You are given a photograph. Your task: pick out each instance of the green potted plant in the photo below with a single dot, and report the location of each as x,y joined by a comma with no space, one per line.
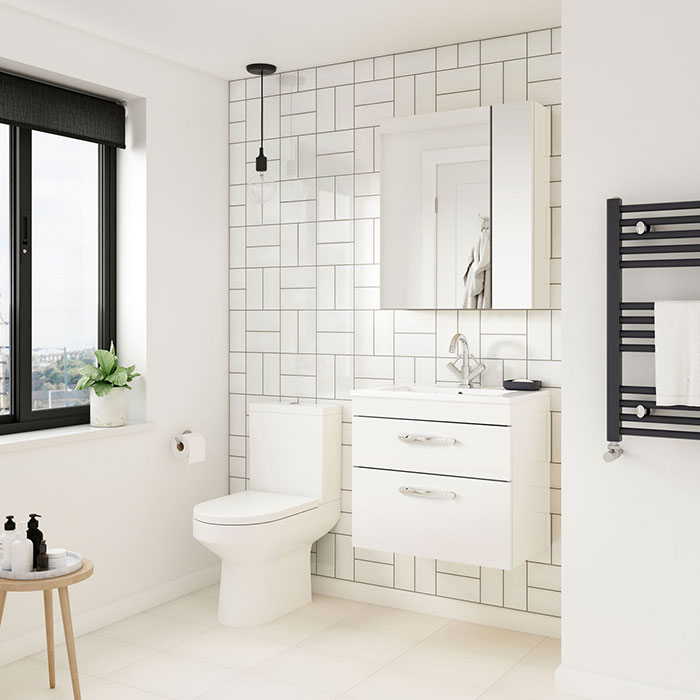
107,383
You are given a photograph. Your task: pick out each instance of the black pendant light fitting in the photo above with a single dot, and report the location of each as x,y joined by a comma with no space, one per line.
261,69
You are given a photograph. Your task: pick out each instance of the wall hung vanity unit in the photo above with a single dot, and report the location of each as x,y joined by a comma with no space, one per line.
465,214
451,473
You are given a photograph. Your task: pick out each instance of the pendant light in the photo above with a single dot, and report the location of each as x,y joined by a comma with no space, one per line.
263,187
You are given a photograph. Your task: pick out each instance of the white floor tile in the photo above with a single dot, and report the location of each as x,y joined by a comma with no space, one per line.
195,608
152,631
390,684
229,648
318,671
174,676
330,609
98,656
414,626
28,679
107,690
252,687
290,629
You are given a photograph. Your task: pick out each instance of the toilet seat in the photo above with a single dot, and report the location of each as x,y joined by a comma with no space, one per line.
252,508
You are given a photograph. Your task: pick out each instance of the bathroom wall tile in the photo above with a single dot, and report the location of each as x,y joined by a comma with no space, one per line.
425,575
539,43
459,587
556,40
492,84
544,67
447,57
544,602
304,277
414,62
504,48
337,74
491,586
376,574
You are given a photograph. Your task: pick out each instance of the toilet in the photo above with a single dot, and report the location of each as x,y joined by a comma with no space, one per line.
264,535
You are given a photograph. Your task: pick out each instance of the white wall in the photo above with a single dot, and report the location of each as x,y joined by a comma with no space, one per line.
305,316
124,501
631,562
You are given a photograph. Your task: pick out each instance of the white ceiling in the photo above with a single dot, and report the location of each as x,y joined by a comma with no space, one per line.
221,36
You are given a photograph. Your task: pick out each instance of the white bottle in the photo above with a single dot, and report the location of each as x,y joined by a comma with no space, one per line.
8,536
22,552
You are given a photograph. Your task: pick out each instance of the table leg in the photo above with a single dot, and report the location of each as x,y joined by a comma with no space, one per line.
3,596
70,641
48,615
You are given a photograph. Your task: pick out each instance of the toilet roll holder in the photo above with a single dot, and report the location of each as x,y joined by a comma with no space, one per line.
179,445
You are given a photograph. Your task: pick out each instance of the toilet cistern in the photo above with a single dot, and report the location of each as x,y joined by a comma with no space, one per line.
465,373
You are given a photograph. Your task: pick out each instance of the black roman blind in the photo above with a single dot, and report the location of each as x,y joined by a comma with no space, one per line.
35,105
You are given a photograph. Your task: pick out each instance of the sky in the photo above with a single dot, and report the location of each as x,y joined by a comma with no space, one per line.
64,240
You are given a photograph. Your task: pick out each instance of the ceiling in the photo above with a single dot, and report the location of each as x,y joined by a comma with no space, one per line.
221,36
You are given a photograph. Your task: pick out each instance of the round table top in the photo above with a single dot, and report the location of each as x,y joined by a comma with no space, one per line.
45,584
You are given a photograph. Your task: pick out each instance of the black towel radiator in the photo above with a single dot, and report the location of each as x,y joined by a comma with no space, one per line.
630,322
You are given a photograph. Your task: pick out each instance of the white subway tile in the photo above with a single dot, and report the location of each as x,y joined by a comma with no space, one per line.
344,563
344,105
335,142
515,588
404,572
539,43
344,191
447,57
236,90
325,555
375,91
384,67
304,365
337,74
469,54
544,602
259,341
325,198
425,575
405,96
491,586
307,331
237,414
364,150
298,102
458,79
364,70
326,109
364,332
298,386
334,253
296,124
289,82
458,100
336,164
263,321
292,212
367,298
503,322
335,232
492,84
425,93
539,335
515,81
295,190
374,367
546,92
298,277
544,576
335,321
383,332
458,587
373,114
415,321
306,79
422,344
556,40
236,299
271,374
334,343
307,244
414,62
458,569
366,275
325,376
343,287
544,67
504,48
237,331
376,574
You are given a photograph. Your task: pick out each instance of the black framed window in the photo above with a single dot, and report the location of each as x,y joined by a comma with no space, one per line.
57,258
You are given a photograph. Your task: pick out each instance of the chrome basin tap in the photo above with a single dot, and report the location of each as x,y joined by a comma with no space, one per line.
466,373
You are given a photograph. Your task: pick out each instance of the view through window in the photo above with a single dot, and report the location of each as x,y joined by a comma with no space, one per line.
65,267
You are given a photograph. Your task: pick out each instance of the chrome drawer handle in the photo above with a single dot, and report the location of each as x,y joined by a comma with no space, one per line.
428,439
427,493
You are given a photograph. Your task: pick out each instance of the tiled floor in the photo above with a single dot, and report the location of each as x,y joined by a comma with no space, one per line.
332,648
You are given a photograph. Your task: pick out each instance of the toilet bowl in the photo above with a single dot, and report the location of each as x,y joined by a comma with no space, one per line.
264,535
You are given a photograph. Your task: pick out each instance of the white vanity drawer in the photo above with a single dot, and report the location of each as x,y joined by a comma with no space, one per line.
456,449
463,520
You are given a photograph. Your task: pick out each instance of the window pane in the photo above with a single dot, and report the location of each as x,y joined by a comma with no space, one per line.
65,228
4,269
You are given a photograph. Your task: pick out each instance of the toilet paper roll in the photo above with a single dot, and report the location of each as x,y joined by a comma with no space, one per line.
190,446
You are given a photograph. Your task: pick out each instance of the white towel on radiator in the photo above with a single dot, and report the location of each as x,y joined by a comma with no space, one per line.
677,352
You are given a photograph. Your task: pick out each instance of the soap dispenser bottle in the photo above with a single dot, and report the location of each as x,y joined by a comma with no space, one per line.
42,561
35,535
22,552
8,536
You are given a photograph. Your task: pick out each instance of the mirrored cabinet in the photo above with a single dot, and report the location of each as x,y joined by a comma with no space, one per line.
465,210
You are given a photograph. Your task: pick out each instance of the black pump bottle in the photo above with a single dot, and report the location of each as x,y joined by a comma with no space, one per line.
10,522
34,534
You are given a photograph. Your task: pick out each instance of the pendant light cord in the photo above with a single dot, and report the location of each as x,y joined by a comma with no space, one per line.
262,102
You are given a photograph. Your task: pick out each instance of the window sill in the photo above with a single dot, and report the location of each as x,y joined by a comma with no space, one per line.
60,436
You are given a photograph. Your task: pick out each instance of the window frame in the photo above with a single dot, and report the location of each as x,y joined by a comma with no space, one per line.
22,417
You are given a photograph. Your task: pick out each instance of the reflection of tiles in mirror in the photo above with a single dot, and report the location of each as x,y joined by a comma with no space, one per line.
305,268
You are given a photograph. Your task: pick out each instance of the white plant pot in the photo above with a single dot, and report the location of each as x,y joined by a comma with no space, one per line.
108,411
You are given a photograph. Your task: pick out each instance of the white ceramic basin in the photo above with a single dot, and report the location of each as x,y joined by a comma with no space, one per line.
444,392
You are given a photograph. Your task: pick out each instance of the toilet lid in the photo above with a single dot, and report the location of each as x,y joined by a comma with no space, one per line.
251,507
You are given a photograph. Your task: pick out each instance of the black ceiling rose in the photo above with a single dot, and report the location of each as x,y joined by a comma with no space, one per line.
261,69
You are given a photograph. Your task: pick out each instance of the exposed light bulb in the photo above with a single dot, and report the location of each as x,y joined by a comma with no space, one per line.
263,188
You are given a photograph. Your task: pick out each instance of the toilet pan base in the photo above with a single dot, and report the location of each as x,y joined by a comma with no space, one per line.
254,593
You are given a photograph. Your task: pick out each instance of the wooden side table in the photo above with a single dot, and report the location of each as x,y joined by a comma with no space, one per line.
47,585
